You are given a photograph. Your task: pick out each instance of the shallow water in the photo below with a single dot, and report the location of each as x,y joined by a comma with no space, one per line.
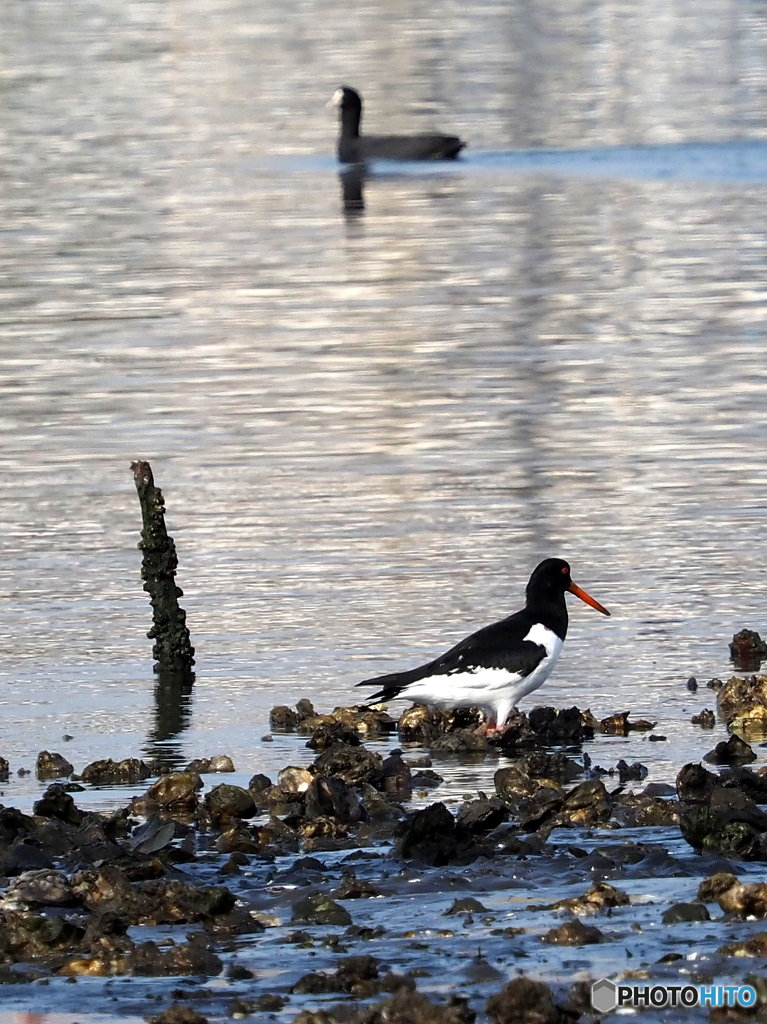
369,428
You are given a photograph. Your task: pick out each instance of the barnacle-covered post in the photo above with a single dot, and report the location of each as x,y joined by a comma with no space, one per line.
172,651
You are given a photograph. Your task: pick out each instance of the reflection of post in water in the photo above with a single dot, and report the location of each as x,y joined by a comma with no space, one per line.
172,652
172,714
352,182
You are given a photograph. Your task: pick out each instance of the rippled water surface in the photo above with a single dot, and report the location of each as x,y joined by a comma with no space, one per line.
370,426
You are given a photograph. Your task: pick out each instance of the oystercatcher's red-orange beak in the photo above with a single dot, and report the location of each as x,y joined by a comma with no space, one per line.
575,589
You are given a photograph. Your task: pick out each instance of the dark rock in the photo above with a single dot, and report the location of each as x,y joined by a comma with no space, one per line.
642,811
109,772
752,784
558,766
226,803
353,888
176,791
238,839
155,902
573,933
26,936
524,1001
318,833
706,719
330,730
695,783
23,856
218,764
755,945
177,1013
329,796
57,803
426,779
407,1006
395,779
461,741
563,725
524,794
681,912
692,684
619,725
190,958
732,751
659,789
258,785
155,834
320,909
587,803
482,815
269,1002
283,719
353,764
635,772
727,823
431,837
747,650
52,766
601,896
466,905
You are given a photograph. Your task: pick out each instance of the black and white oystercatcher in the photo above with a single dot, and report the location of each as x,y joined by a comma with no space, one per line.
354,148
500,664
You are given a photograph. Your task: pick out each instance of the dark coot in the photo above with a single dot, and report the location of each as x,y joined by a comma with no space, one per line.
355,148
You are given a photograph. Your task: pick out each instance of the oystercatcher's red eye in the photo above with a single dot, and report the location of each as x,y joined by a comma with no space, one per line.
566,570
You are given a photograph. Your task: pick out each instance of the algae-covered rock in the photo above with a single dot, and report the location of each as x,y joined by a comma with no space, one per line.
679,913
226,803
524,1001
320,909
52,766
573,933
178,790
108,772
353,764
742,702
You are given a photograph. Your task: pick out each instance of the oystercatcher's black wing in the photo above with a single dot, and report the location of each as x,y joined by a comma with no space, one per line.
500,645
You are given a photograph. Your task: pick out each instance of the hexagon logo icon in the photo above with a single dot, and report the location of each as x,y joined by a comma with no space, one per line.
603,996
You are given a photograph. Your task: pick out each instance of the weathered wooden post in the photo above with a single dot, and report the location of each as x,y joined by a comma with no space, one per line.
172,651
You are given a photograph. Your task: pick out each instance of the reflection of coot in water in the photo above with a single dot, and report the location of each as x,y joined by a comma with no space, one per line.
352,182
356,148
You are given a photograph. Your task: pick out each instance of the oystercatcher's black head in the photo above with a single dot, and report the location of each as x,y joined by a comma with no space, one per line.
549,582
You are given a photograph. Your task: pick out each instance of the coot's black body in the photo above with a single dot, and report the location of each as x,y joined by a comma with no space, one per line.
355,148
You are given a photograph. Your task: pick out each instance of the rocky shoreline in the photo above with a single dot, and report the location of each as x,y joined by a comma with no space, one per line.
414,915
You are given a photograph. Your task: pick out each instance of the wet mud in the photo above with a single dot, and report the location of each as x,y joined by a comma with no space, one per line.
358,889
